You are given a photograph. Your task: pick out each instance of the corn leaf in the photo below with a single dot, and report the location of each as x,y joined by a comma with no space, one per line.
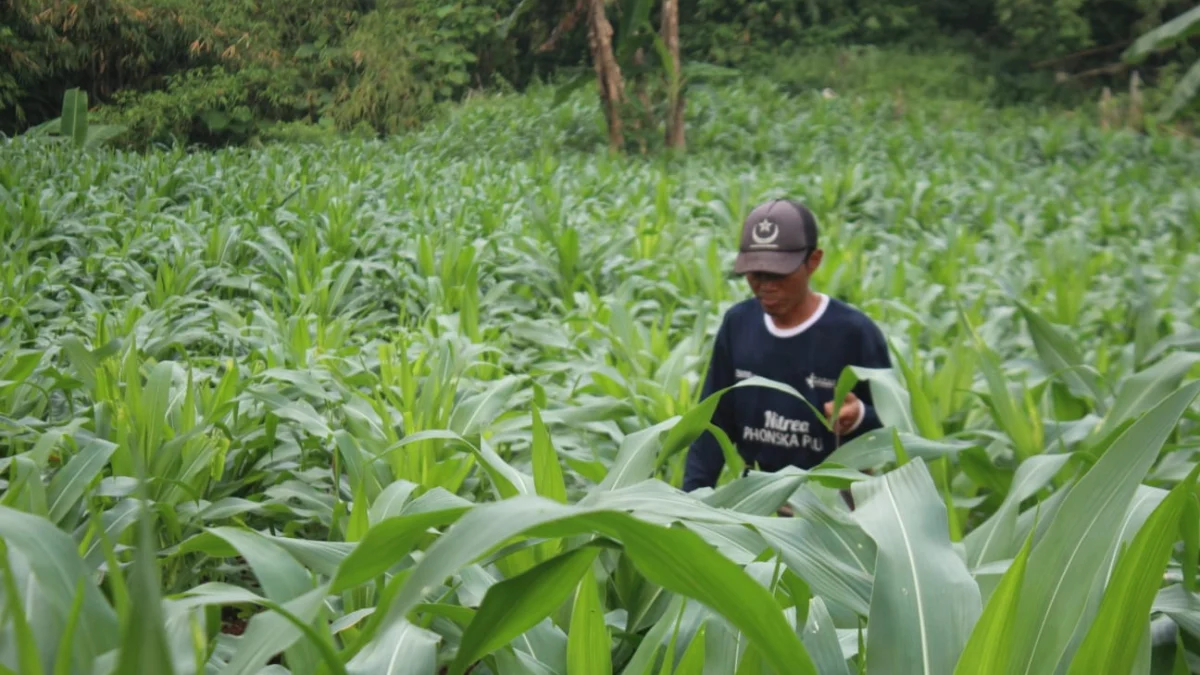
516,605
588,644
675,559
990,647
1081,532
923,601
1130,592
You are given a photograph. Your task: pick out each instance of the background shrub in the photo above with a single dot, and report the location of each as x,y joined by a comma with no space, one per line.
224,71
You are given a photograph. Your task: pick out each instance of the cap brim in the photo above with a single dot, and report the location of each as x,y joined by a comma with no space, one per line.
771,262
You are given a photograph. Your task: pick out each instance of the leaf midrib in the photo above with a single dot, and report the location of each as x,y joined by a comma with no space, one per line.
912,562
1063,571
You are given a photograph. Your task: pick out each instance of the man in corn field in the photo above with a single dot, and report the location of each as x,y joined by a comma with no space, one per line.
792,334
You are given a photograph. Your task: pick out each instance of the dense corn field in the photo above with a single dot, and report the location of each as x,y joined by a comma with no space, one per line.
421,406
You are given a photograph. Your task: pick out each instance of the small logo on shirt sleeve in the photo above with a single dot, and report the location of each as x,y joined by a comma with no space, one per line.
824,383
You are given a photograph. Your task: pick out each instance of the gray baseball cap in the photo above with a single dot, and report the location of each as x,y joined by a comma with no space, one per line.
776,238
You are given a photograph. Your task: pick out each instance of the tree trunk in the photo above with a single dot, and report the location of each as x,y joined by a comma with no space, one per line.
670,36
608,72
646,120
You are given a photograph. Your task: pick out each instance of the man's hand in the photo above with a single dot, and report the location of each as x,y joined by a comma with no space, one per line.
848,417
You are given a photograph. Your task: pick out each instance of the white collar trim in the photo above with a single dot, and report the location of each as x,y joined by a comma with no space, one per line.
796,330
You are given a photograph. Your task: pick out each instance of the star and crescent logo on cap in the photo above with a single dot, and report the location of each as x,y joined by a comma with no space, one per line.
765,233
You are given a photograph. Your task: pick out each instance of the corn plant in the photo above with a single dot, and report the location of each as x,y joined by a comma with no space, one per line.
422,405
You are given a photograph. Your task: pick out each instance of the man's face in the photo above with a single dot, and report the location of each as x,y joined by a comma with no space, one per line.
781,296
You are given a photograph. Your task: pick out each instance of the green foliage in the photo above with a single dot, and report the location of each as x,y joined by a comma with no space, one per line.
222,71
730,32
74,126
912,76
410,55
1018,50
355,400
1044,28
1186,89
230,71
211,104
107,46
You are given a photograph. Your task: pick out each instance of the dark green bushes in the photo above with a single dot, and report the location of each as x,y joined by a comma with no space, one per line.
222,71
1054,51
227,71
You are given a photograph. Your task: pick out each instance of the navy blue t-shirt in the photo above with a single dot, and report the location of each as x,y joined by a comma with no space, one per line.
771,427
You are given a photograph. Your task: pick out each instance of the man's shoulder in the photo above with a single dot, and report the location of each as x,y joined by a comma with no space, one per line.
742,309
738,313
843,315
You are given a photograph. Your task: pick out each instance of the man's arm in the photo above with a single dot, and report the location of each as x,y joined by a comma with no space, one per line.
873,354
705,458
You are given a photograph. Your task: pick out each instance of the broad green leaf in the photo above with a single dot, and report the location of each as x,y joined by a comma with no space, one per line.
56,566
1145,389
269,632
832,554
547,472
1187,341
635,460
924,418
924,600
758,493
692,662
1182,606
995,538
989,648
821,640
1191,544
1023,429
1082,532
684,430
512,662
322,557
1131,589
75,116
474,413
62,663
643,659
359,521
738,543
144,644
281,577
1163,36
26,489
399,649
588,642
507,480
876,448
356,467
69,483
890,397
306,416
27,659
688,428
386,543
516,605
389,502
1061,355
676,559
